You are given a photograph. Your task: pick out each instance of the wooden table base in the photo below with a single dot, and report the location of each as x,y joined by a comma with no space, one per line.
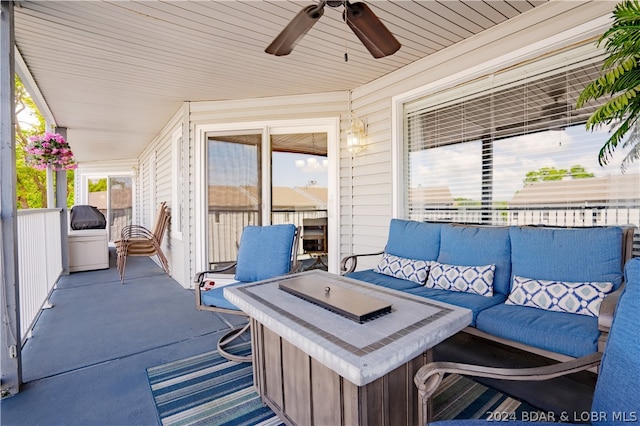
304,392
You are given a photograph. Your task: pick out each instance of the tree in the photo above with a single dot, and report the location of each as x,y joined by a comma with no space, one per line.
620,82
551,173
31,184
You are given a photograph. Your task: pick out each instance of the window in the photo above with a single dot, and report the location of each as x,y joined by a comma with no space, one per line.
511,148
178,185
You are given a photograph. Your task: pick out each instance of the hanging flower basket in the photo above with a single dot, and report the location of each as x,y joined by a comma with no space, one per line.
50,151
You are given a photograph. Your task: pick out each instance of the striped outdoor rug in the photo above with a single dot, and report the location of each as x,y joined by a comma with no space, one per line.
208,389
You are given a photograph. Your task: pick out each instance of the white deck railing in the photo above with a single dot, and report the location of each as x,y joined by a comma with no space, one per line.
39,261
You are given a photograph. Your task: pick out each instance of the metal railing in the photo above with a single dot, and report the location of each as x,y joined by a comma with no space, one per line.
225,228
39,261
570,216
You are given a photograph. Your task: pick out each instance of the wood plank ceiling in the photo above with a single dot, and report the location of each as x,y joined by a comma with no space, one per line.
113,72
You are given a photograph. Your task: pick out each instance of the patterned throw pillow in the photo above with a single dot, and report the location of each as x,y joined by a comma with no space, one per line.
468,279
560,296
406,269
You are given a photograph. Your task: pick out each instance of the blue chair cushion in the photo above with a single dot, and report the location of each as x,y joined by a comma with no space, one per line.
383,280
573,255
475,246
215,297
474,302
265,252
565,333
413,240
619,379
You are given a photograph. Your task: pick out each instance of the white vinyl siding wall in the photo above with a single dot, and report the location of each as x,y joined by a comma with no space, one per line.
155,181
371,183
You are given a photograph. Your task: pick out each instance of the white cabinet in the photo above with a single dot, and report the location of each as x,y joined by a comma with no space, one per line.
88,250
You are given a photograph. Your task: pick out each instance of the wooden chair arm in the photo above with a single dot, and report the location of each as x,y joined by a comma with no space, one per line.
349,263
429,376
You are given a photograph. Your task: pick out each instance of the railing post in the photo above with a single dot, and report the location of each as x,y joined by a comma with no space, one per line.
10,358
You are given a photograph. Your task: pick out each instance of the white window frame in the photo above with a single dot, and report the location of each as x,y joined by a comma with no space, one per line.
329,125
177,178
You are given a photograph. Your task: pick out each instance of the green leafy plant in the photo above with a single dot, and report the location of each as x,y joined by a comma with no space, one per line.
620,83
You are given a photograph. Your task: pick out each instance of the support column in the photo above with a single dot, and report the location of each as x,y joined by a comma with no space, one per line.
10,340
61,203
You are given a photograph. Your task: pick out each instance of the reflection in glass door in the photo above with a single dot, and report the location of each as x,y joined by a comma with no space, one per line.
113,197
233,192
299,185
120,205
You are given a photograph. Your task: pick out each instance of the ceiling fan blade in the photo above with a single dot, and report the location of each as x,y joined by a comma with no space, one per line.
284,43
370,30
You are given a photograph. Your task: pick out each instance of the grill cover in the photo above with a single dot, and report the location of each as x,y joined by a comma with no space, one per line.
87,217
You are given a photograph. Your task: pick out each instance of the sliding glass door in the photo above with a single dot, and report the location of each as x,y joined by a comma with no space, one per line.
266,175
233,191
299,190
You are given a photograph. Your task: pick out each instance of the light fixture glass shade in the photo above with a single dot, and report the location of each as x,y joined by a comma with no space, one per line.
355,136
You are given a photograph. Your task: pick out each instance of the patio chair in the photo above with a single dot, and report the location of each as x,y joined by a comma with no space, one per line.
615,400
136,240
264,252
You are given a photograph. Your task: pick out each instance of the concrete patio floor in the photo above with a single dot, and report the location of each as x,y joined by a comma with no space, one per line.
86,359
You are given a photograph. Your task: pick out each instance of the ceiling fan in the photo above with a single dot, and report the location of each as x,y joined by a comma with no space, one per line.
360,18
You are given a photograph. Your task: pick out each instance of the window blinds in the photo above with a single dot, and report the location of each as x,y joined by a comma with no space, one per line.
511,148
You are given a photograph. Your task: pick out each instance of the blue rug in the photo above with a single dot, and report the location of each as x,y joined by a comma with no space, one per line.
208,389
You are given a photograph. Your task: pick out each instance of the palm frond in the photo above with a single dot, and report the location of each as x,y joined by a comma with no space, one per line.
612,81
632,156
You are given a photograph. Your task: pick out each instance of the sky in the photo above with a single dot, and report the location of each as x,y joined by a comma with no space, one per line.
513,158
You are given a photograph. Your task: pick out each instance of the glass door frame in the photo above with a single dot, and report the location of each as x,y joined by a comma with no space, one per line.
330,126
82,195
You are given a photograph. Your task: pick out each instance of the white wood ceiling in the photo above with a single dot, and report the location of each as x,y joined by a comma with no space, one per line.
113,72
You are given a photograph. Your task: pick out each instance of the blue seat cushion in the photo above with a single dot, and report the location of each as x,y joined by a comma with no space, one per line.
383,280
215,297
466,300
413,240
572,255
265,252
565,333
474,302
619,378
464,245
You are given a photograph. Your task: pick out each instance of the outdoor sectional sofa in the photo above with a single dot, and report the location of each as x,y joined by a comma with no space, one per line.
499,273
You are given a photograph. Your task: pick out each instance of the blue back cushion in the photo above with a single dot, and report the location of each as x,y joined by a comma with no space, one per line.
265,252
574,255
478,246
413,240
619,379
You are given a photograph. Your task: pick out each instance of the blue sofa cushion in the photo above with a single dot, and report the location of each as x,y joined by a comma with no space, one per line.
265,252
559,296
470,301
619,378
400,267
215,297
477,245
467,279
569,334
474,302
373,277
413,240
578,254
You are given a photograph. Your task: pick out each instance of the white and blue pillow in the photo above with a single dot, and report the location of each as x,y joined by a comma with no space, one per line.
467,279
582,298
406,269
